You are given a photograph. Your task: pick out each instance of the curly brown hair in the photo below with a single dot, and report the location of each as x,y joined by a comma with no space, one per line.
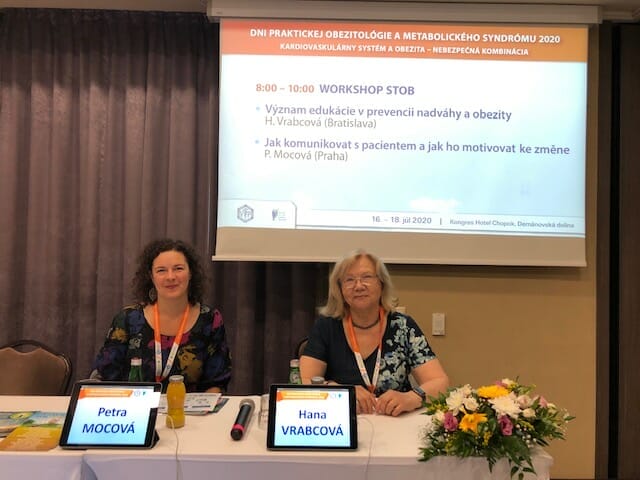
142,284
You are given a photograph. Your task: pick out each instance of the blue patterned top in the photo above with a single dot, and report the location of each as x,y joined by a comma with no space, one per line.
404,347
203,355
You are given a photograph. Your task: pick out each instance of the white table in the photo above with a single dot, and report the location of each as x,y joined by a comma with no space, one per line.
388,450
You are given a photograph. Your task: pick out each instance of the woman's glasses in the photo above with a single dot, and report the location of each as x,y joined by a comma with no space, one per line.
367,280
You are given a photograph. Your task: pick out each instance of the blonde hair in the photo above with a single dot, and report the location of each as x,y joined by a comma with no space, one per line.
336,305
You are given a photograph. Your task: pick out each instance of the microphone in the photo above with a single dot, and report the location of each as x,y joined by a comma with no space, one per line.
244,415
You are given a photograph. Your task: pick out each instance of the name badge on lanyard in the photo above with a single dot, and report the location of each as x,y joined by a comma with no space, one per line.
371,384
160,373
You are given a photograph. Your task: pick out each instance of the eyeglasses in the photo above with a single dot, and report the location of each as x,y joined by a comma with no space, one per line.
367,280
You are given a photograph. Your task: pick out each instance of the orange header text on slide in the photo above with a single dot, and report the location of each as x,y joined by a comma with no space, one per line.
301,395
105,392
341,39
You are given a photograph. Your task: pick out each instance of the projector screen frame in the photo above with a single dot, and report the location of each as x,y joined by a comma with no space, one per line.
495,13
524,251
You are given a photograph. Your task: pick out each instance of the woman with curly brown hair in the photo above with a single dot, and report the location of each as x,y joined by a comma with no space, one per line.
168,327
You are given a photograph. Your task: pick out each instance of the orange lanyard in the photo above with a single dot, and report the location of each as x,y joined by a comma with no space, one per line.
371,385
162,374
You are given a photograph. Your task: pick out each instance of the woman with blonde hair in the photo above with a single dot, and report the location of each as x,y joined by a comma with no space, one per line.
359,339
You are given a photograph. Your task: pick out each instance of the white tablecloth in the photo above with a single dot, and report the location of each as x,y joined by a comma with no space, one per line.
388,450
54,464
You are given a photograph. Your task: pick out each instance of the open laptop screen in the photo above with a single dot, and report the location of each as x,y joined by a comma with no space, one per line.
312,417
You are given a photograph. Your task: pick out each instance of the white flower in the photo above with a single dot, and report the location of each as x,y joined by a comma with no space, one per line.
528,413
455,399
525,401
466,390
470,404
438,417
506,405
507,382
430,425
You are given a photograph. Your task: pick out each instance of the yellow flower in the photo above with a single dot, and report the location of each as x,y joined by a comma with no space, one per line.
471,420
487,437
492,391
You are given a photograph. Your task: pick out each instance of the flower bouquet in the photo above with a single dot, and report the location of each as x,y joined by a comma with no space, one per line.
504,420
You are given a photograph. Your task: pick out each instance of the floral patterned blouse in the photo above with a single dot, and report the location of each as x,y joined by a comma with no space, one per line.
202,357
404,347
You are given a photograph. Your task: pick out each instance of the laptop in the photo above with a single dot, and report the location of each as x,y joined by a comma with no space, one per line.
312,417
111,415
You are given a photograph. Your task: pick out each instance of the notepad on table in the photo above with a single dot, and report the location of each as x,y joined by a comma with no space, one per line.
194,403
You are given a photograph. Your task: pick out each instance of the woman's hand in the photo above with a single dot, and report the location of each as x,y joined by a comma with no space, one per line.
365,400
394,403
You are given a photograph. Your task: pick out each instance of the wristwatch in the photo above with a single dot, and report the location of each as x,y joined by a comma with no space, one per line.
421,393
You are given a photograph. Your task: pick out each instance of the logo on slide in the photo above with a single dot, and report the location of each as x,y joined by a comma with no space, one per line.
245,213
278,215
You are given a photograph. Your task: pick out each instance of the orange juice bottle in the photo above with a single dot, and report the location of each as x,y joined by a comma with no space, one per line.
176,393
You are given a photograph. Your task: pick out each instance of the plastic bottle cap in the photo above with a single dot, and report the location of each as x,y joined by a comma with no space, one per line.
294,362
176,378
136,362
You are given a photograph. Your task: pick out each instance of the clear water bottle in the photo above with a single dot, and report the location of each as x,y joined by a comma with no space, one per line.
135,370
263,419
176,393
294,371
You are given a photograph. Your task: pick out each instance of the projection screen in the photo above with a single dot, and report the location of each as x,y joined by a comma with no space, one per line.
424,143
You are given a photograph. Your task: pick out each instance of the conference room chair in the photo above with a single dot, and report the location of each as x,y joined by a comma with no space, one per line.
30,367
300,347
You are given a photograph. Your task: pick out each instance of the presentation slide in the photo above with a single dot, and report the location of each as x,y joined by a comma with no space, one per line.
400,128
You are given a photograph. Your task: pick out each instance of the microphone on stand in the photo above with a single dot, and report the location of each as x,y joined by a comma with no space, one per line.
244,415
